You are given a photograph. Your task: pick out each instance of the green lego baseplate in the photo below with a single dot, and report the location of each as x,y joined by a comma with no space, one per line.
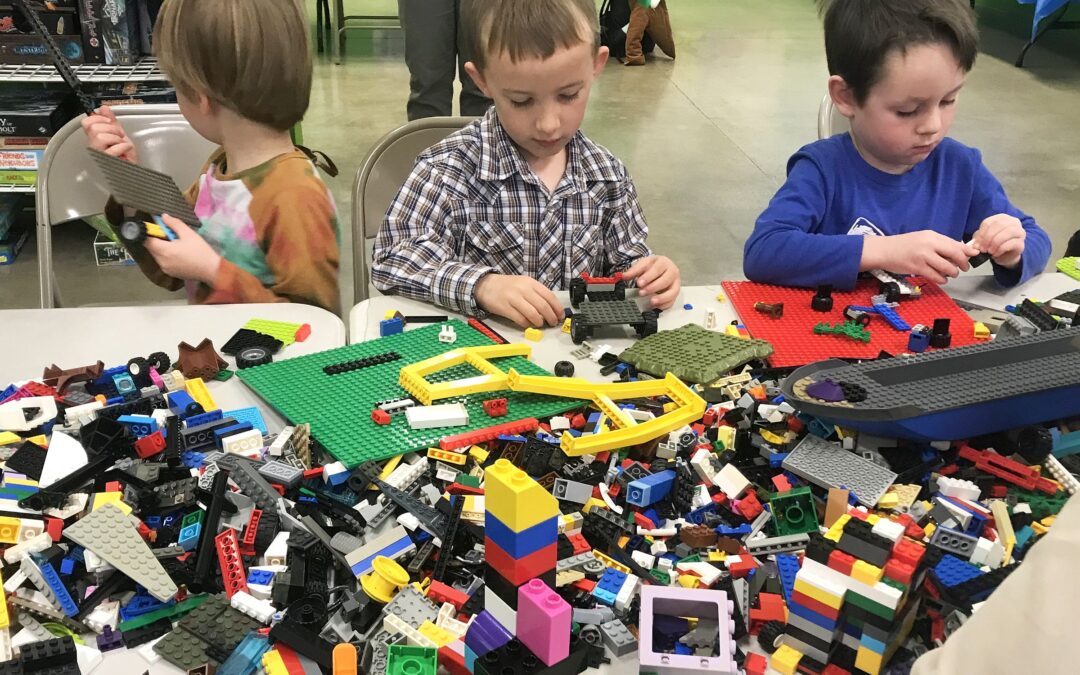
693,353
339,407
1070,266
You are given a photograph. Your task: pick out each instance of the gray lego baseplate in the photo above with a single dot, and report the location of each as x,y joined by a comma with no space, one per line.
411,606
144,189
608,312
693,353
828,465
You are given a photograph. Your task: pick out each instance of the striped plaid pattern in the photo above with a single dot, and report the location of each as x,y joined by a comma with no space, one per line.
472,207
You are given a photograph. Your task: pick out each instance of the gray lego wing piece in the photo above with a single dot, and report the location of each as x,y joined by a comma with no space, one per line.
828,465
109,533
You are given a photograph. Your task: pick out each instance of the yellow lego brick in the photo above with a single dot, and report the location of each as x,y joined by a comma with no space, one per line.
720,297
196,388
873,519
566,326
731,330
440,636
518,501
929,530
389,314
478,453
837,528
567,577
981,331
593,501
154,230
534,334
785,660
689,581
1039,528
810,590
39,441
1048,521
114,498
9,530
27,482
866,573
726,436
770,437
889,500
611,563
5,620
8,437
868,661
273,664
717,556
446,456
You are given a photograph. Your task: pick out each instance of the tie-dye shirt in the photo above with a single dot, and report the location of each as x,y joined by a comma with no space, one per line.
275,226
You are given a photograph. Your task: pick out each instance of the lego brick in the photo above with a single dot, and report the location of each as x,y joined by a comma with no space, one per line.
436,416
393,544
503,613
518,501
346,429
792,337
408,660
828,465
650,489
524,543
571,491
681,602
543,622
519,570
693,353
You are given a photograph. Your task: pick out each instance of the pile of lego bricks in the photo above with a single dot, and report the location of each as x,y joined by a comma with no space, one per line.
137,515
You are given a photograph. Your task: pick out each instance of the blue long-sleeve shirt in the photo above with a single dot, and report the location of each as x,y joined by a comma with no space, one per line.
804,237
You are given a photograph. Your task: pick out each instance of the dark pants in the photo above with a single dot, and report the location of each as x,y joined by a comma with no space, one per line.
434,52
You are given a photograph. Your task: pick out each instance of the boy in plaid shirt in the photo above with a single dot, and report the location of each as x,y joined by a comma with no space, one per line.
520,202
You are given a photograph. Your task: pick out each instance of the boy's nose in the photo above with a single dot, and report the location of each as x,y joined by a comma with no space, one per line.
931,124
547,124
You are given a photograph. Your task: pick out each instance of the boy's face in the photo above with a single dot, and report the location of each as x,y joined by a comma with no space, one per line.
908,112
541,103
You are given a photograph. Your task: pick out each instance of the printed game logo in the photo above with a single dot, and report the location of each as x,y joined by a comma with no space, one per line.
6,127
111,10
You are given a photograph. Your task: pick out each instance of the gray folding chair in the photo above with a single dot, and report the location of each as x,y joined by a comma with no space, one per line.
381,176
829,120
69,188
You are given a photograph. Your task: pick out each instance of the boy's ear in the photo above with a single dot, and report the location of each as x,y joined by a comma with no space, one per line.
207,106
842,96
477,77
600,60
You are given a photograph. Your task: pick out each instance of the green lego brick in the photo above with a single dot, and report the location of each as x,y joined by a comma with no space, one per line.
224,375
1041,505
469,480
170,612
338,407
406,660
192,518
1070,267
693,353
869,605
281,330
794,512
848,329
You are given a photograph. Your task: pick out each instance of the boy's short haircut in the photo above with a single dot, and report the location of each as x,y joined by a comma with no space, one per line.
860,35
251,56
526,29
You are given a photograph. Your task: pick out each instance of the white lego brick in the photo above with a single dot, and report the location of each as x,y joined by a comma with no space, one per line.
731,481
333,469
445,472
890,529
277,551
1022,507
710,319
406,472
665,564
408,521
87,658
260,610
627,592
659,548
260,592
243,442
503,613
700,462
64,456
960,489
447,334
395,624
105,614
709,574
26,413
701,496
1061,474
277,448
435,416
644,559
39,542
560,423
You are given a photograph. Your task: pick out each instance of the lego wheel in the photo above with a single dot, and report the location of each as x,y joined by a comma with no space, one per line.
770,636
564,369
649,324
578,332
159,361
253,356
577,292
620,290
132,231
139,369
891,291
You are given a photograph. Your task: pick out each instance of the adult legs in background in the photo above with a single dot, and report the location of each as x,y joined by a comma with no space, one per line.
660,29
431,54
656,22
472,101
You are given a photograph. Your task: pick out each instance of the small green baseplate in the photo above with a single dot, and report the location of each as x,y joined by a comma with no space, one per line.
1070,266
693,353
338,407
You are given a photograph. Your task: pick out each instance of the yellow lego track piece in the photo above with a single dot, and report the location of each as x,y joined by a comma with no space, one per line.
413,377
196,388
687,407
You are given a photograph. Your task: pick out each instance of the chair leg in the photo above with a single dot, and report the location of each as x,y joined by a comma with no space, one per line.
319,26
1048,24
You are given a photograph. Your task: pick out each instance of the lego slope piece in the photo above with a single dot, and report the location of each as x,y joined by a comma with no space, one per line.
657,601
287,333
110,534
518,501
827,465
339,406
693,354
1070,267
792,336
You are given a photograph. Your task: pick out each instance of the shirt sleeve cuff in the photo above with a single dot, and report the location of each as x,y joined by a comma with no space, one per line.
455,287
1007,278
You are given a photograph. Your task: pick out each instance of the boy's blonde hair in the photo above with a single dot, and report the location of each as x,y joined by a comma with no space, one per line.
526,29
252,56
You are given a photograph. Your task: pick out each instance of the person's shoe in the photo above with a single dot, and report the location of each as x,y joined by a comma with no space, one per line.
634,60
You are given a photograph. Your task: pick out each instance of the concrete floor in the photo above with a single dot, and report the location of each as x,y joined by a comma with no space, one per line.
706,137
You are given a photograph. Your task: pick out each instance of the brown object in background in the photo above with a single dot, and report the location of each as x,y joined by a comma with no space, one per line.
836,506
654,21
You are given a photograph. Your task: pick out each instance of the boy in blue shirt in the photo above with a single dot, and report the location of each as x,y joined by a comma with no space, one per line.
910,195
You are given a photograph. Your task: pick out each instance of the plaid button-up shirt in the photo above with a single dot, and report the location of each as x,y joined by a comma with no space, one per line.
473,207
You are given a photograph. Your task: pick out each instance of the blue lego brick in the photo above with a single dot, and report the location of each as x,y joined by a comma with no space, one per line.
509,437
138,425
470,659
1066,444
650,489
608,587
812,616
951,571
153,522
740,531
8,393
141,604
203,418
788,566
874,645
252,416
67,566
221,433
60,591
189,537
179,402
391,327
260,577
776,459
520,544
247,657
683,650
975,526
918,341
697,516
364,565
1023,535
893,319
124,384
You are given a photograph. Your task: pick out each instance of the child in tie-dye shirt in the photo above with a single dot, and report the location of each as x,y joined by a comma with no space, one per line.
242,72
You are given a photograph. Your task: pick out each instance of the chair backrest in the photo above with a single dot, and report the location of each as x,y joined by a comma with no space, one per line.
68,188
829,120
380,177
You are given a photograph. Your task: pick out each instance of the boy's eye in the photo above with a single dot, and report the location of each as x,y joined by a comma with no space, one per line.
948,101
570,97
520,104
906,113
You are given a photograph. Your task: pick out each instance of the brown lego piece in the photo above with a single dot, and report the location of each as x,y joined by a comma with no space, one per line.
698,536
61,379
836,506
729,545
202,361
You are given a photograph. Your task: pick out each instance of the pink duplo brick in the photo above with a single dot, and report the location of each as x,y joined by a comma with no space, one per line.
543,622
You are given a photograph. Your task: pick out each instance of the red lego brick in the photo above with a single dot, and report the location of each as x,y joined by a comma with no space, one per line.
439,593
1008,470
578,421
150,445
858,513
303,332
699,428
898,570
488,333
495,407
755,664
586,585
55,527
743,567
313,473
911,528
247,542
841,562
798,598
999,491
770,608
452,661
519,570
642,521
232,568
380,417
833,669
795,424
580,544
749,506
908,552
793,338
780,482
114,486
459,489
490,433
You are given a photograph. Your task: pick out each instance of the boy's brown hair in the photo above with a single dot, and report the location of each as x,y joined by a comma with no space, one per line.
526,29
860,35
252,56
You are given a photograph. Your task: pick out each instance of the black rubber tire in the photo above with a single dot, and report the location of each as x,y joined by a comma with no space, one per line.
769,636
139,369
160,362
249,357
620,290
132,231
577,292
564,369
578,332
891,291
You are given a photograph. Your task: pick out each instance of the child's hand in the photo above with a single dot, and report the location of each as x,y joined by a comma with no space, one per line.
925,253
657,276
106,134
187,257
523,300
1002,236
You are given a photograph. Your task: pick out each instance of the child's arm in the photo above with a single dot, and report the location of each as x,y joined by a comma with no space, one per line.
782,249
1019,248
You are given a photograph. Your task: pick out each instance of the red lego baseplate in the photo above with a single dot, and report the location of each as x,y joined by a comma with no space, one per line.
793,339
